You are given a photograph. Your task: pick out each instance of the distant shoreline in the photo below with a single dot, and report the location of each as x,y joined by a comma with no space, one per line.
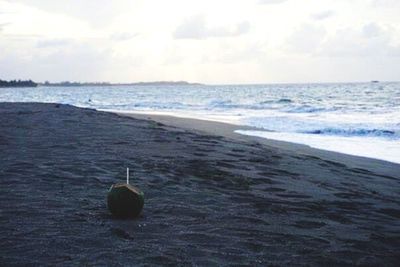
30,83
74,84
17,83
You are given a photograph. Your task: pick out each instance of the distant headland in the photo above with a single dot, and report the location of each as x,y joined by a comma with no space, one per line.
30,83
157,83
18,83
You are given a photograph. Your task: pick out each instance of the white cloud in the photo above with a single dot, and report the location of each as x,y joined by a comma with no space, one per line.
2,26
62,59
231,41
97,13
385,3
323,15
243,53
31,21
196,28
191,28
370,41
372,30
271,2
123,36
306,39
44,43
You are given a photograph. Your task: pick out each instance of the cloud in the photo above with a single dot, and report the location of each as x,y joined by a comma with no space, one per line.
30,21
271,2
323,15
192,28
75,62
385,3
98,13
3,25
242,28
123,36
306,39
370,41
47,43
196,28
249,52
372,30
55,60
128,40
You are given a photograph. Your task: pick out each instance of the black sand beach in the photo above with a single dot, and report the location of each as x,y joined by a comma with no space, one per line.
211,199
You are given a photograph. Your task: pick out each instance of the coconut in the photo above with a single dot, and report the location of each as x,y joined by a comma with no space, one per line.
125,200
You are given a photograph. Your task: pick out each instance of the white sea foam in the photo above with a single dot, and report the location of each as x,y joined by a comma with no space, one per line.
337,117
358,146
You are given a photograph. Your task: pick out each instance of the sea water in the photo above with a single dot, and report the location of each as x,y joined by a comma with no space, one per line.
354,118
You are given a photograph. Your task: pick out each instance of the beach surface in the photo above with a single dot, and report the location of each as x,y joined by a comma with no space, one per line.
212,197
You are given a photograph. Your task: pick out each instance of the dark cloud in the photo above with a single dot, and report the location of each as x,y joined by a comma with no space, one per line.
196,28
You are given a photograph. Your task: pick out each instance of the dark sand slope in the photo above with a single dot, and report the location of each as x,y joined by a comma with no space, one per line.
209,200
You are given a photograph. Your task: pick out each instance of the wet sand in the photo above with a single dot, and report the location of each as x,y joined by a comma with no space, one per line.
211,197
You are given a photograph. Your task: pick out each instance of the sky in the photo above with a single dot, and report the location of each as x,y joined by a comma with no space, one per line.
207,41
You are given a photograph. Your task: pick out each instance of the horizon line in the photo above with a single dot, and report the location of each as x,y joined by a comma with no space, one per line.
240,83
184,82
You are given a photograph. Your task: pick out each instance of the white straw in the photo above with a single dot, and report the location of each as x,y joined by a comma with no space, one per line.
127,175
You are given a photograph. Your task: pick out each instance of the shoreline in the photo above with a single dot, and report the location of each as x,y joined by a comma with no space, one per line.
227,130
210,198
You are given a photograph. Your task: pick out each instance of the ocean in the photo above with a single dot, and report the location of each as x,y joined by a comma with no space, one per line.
361,119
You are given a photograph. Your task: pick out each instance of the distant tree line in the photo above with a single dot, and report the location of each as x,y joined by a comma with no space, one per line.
30,83
75,84
67,83
18,83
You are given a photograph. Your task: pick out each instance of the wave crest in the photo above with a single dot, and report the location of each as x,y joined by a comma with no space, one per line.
354,132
